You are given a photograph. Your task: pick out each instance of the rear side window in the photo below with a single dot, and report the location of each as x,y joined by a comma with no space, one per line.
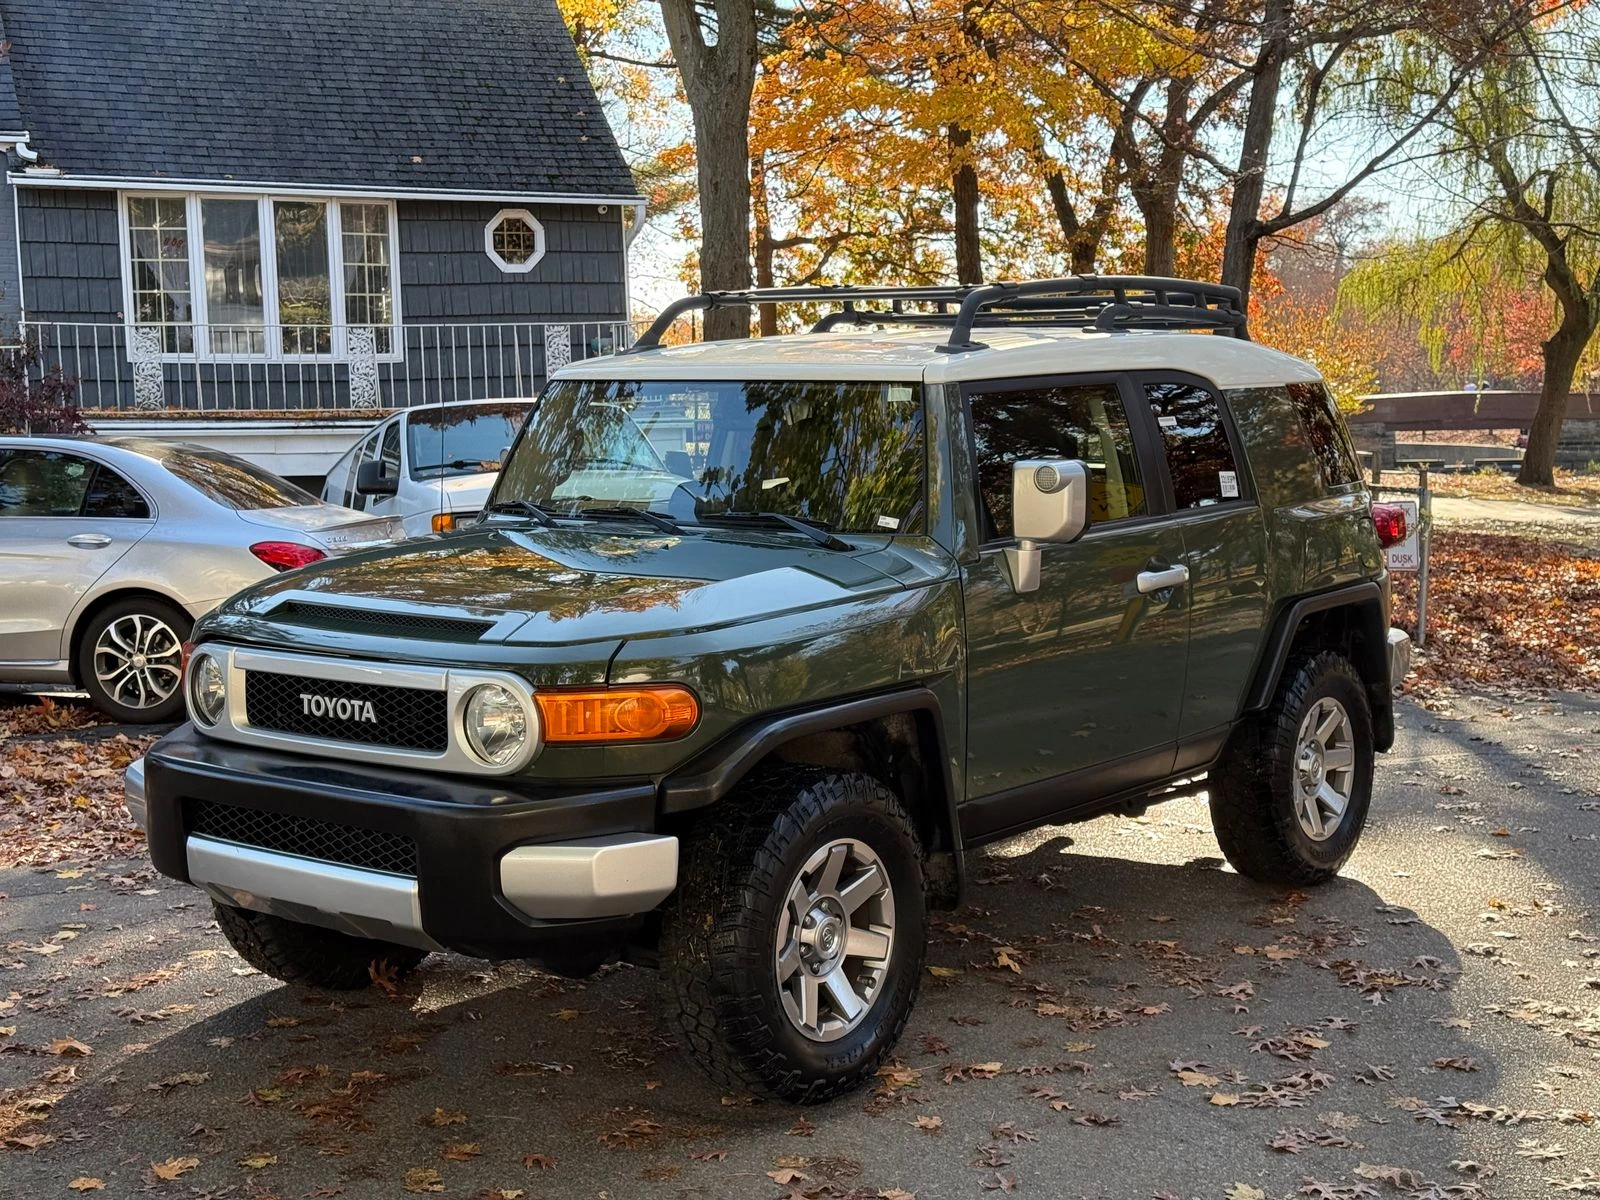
110,495
1083,421
1201,461
1330,442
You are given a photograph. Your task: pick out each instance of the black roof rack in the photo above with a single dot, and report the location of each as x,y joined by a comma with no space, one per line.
1103,302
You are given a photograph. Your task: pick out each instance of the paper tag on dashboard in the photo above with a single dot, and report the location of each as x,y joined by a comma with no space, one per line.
1167,422
888,522
1229,483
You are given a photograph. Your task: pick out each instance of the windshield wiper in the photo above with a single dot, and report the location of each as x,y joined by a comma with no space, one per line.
622,513
455,464
526,508
811,529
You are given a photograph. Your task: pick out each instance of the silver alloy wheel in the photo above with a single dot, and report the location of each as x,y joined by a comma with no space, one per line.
834,939
138,660
1324,769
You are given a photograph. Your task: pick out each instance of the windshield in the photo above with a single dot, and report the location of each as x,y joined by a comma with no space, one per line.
464,439
846,456
232,481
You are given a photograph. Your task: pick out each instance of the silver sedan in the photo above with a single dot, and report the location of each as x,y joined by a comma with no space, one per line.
110,548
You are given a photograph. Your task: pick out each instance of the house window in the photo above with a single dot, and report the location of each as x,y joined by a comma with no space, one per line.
514,240
262,277
158,248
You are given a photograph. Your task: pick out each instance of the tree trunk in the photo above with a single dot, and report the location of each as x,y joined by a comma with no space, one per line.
718,79
1083,241
1244,214
964,184
766,314
1562,351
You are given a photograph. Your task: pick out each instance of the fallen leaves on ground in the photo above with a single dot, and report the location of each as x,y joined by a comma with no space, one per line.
1506,611
62,796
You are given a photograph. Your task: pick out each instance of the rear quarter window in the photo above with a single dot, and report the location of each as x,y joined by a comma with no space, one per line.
1325,431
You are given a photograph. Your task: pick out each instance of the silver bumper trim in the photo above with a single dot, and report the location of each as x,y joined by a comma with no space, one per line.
367,904
133,793
1399,655
611,876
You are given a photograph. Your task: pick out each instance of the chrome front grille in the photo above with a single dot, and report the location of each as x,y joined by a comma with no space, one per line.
367,714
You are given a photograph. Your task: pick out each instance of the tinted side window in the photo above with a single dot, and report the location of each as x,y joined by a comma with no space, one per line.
1082,421
110,495
42,483
1196,441
1330,442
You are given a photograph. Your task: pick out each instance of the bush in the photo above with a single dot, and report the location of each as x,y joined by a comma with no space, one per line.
33,399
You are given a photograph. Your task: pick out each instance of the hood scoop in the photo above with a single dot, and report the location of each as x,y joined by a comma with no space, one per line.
380,622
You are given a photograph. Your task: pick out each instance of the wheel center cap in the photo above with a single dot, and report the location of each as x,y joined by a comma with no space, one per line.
830,937
137,662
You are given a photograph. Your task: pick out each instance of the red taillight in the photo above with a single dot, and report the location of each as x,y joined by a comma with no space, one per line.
285,556
1390,522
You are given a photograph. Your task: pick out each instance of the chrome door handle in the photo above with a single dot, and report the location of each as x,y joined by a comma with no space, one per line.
89,541
1159,581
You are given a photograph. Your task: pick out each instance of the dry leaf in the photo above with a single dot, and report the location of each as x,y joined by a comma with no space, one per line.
1197,1079
258,1160
1243,1191
787,1175
1224,1099
440,1117
87,1183
423,1179
541,1162
930,1124
173,1168
70,1048
461,1151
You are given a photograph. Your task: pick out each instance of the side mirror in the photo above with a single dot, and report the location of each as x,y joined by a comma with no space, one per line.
371,480
678,463
1049,503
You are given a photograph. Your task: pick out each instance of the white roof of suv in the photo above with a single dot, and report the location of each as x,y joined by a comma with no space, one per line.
915,354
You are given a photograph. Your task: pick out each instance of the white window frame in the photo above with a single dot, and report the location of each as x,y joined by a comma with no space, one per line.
273,329
511,268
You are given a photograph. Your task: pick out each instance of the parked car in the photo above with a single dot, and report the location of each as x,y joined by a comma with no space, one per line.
1041,555
110,547
431,466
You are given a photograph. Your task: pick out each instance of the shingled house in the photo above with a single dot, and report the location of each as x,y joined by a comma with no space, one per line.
303,205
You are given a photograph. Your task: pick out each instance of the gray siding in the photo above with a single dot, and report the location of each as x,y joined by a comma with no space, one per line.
472,330
10,283
447,278
70,267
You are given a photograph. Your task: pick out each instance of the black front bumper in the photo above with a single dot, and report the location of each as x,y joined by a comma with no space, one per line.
461,827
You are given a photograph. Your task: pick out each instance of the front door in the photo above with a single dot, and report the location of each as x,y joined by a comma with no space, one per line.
64,521
1075,690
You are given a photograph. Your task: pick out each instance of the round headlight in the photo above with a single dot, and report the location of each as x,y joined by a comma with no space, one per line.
208,690
496,724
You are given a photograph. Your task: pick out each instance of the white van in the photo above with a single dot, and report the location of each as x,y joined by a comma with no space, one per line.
432,465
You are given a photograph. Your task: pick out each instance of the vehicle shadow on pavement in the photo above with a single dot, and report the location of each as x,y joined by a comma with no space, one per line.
1088,1023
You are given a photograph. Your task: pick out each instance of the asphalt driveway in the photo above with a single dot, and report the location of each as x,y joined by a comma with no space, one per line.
1112,1015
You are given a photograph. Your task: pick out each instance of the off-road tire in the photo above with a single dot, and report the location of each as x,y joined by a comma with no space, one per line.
1252,788
718,938
310,956
170,709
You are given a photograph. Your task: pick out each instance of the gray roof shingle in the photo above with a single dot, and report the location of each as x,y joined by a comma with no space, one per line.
482,96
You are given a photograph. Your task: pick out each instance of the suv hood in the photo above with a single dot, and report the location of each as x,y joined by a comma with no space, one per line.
579,585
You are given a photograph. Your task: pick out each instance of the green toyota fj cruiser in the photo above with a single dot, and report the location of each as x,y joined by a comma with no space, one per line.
755,641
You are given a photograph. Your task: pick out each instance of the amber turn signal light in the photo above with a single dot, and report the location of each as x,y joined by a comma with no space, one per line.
444,522
627,714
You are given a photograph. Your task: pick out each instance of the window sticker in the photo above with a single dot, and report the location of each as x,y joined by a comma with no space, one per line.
1228,482
888,522
1168,423
74,470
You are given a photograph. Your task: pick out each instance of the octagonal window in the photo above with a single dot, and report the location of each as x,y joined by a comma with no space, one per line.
514,240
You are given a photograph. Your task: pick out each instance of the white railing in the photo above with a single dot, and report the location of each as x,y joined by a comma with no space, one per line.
218,369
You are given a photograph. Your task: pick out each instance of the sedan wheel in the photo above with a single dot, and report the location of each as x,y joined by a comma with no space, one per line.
130,660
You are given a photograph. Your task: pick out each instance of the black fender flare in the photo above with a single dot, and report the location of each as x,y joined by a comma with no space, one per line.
715,771
1366,600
